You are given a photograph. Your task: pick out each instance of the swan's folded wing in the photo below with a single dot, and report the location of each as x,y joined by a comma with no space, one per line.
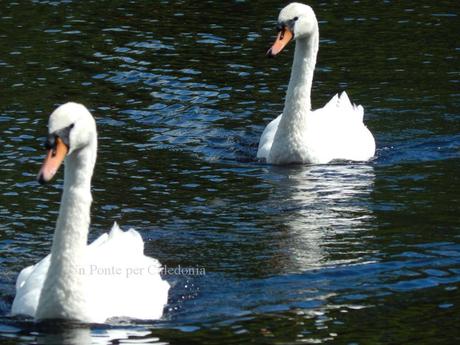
28,288
266,140
23,275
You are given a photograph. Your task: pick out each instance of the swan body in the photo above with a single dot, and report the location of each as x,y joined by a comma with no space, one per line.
109,278
300,135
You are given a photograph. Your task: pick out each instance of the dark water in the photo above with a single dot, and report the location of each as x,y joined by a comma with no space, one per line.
345,253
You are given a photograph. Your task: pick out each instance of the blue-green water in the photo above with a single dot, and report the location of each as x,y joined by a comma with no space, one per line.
344,253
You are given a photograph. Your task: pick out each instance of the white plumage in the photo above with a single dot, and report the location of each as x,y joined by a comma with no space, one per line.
109,278
300,135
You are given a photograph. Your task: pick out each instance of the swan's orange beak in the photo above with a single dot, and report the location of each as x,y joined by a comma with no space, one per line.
53,161
283,38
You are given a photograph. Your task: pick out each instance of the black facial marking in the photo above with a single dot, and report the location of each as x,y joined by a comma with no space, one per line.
287,24
50,142
64,134
290,23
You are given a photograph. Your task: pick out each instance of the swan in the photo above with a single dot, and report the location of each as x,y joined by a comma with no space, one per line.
300,135
109,278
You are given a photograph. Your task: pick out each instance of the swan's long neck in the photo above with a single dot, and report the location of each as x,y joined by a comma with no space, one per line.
71,235
298,97
62,293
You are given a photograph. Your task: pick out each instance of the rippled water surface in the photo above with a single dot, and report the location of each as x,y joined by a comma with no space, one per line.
346,253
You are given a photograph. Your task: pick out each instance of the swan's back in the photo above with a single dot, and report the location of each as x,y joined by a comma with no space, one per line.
120,280
333,132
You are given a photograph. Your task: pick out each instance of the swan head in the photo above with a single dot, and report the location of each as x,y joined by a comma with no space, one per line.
71,127
295,21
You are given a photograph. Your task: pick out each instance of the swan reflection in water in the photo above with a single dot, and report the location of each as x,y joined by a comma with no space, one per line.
69,333
321,210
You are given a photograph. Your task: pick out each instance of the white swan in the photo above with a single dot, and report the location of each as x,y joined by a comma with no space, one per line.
300,135
111,277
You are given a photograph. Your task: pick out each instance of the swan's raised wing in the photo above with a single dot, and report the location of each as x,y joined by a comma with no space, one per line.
344,135
341,107
122,281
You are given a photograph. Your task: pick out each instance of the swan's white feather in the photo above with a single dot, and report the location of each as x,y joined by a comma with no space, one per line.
335,131
121,280
266,140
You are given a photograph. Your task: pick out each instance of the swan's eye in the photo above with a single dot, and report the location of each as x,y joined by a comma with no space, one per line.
296,18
